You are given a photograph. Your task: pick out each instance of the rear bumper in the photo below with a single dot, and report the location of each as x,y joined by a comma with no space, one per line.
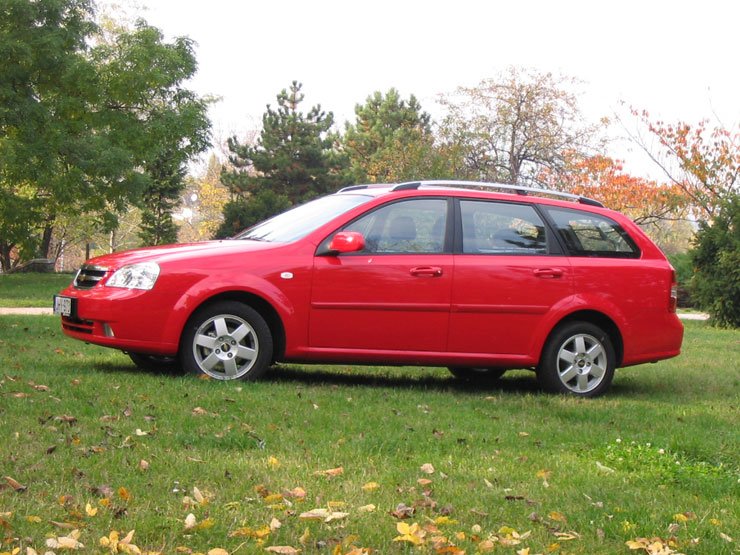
661,340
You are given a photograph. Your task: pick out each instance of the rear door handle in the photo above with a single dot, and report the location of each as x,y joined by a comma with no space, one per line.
426,271
549,273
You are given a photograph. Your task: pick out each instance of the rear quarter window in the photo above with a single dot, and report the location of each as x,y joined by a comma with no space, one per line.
588,234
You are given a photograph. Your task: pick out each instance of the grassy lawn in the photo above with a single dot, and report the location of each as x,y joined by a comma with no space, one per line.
31,290
336,459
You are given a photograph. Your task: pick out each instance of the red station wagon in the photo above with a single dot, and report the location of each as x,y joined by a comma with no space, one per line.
477,277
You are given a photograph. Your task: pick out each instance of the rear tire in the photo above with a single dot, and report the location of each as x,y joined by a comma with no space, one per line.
578,359
468,374
226,340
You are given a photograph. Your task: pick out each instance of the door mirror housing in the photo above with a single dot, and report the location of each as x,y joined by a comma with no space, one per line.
346,241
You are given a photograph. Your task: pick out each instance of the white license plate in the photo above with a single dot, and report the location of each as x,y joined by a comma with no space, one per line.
62,306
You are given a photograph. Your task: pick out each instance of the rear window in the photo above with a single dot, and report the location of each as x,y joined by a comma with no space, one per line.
501,228
586,234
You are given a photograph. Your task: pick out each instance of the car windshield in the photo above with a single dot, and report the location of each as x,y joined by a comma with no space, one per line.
302,220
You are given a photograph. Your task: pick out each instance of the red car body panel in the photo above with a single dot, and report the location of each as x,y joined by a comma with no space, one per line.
436,309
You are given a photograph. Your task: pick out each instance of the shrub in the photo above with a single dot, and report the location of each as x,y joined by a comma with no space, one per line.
716,259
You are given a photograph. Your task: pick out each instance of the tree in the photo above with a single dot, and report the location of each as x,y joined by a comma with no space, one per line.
176,123
604,179
716,259
511,128
704,163
80,118
208,197
295,159
391,140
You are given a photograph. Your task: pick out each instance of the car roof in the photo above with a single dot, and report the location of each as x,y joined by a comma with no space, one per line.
491,190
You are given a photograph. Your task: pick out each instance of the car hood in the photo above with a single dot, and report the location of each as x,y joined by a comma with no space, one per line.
169,253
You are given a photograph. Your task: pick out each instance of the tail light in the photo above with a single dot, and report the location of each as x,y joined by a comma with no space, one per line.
673,300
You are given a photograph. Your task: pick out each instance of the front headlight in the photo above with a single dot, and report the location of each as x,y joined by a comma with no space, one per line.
135,276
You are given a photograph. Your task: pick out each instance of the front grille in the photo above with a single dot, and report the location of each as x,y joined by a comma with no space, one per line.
88,276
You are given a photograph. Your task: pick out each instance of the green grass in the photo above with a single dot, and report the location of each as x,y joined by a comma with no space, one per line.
31,290
656,457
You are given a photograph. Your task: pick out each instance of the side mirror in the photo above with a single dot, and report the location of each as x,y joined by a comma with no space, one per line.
346,241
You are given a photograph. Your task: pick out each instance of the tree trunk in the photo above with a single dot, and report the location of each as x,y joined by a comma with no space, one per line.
45,245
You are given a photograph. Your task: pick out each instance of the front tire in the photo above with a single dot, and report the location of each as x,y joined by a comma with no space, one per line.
578,359
227,341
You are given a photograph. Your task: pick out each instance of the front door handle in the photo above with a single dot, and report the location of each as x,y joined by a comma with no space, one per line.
426,271
548,273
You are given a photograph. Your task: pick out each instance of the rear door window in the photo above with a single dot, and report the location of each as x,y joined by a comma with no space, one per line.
501,228
587,234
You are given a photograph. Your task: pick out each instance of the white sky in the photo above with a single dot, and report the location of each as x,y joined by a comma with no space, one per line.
677,59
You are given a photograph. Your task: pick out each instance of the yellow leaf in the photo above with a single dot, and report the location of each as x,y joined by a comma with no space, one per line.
370,486
33,519
205,524
305,537
199,496
124,494
90,510
524,551
217,551
283,550
366,508
680,517
273,462
555,515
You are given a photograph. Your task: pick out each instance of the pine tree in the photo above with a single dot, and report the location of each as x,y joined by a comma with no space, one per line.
294,160
391,140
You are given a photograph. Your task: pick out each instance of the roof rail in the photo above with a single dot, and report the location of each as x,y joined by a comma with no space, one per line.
518,189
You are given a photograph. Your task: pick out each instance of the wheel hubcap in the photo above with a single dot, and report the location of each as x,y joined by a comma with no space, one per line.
582,363
225,347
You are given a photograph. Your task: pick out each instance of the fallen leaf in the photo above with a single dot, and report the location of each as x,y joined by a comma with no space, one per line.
427,468
143,465
217,551
371,486
190,521
275,524
559,517
315,514
332,472
604,469
410,533
90,510
273,462
124,494
366,508
283,550
66,542
199,411
17,486
199,496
